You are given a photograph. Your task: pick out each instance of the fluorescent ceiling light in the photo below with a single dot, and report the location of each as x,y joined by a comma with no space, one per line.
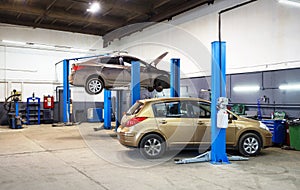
13,42
291,2
246,88
94,7
289,87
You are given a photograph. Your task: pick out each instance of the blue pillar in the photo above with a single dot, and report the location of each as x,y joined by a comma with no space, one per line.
175,78
17,118
118,109
135,86
17,108
66,92
107,109
218,89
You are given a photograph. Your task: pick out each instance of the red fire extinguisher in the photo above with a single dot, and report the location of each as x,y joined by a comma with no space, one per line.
48,102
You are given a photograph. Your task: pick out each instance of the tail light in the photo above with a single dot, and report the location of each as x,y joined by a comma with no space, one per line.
77,67
134,121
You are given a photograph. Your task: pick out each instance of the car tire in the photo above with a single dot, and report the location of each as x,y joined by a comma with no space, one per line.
159,88
160,83
94,86
250,144
150,89
152,146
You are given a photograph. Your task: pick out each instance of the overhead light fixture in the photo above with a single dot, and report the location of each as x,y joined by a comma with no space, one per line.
45,46
246,88
290,2
289,87
94,7
13,42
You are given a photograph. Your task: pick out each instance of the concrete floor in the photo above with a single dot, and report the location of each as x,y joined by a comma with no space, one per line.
77,157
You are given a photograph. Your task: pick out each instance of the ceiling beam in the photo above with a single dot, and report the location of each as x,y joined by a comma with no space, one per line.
60,15
161,3
96,31
179,9
128,6
42,16
130,29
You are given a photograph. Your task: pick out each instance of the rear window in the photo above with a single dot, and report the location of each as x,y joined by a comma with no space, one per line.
135,108
108,60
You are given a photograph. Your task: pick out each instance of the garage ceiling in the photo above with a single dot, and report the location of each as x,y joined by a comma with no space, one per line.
72,15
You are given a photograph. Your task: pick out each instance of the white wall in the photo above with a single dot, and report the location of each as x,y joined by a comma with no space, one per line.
263,35
29,69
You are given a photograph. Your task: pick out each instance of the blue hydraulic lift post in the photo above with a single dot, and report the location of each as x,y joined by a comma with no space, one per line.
66,91
17,114
17,108
217,155
135,86
175,78
118,111
218,89
66,85
107,109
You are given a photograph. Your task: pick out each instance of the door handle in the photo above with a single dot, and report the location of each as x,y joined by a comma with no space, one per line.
162,121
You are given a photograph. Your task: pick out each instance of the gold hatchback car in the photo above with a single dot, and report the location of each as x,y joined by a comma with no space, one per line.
156,125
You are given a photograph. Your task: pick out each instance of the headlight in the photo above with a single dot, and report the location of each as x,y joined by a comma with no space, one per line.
263,126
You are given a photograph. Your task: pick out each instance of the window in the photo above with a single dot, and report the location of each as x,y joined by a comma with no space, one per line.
127,61
109,60
127,64
160,110
200,110
135,108
171,109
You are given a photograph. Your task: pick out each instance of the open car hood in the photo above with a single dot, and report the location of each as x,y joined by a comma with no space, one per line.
158,59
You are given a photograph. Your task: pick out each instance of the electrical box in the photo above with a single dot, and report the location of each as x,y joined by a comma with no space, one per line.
222,119
222,115
48,102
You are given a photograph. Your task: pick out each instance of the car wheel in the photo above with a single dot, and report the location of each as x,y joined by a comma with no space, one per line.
94,86
249,144
160,83
159,88
150,89
152,146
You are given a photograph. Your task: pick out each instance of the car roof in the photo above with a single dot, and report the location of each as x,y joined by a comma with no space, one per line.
110,56
164,99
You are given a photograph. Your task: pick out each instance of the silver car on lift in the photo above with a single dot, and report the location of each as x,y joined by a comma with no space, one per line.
114,70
